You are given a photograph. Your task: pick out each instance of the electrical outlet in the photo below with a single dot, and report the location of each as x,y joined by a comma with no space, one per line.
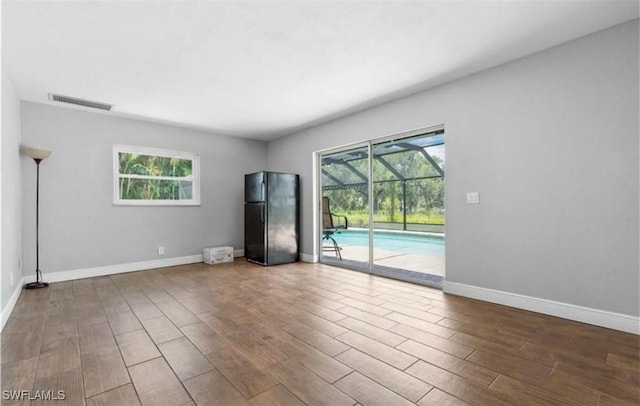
473,198
160,250
11,279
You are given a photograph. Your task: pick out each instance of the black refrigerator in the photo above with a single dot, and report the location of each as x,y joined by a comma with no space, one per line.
271,217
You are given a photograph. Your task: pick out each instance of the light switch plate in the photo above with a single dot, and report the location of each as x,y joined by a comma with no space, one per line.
473,198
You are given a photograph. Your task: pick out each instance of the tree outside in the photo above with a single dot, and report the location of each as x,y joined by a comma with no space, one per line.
149,177
422,185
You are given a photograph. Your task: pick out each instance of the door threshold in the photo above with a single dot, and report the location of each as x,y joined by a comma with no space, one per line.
419,278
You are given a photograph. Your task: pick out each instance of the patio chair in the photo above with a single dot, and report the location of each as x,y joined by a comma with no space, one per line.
330,226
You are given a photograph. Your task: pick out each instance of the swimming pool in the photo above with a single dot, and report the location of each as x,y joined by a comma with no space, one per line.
405,242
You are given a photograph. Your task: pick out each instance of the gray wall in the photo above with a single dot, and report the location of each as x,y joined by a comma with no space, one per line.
11,191
551,143
80,228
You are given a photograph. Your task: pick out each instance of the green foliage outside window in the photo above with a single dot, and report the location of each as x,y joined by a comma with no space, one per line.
424,188
148,177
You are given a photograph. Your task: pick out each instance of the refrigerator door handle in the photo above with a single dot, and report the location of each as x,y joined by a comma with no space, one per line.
262,214
263,191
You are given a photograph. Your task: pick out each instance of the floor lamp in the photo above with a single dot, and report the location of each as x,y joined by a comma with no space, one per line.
38,155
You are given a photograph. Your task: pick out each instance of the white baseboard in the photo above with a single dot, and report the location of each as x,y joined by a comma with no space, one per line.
238,253
6,312
602,318
308,258
115,269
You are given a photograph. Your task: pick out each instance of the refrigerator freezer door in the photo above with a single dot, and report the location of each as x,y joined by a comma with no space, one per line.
282,212
255,187
254,232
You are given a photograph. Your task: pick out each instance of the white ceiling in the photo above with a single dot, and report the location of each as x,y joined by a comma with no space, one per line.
261,69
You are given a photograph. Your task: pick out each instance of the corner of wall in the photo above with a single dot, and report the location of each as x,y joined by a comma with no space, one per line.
11,197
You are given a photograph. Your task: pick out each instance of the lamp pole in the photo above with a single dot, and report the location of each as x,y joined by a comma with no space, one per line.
37,155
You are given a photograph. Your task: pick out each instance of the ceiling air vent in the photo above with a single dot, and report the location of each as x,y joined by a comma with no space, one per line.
80,102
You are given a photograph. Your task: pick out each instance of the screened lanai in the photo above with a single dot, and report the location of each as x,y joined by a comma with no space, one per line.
407,204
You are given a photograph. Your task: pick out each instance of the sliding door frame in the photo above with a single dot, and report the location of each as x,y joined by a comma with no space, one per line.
317,191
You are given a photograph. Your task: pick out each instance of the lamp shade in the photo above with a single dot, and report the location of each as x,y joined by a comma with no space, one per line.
37,153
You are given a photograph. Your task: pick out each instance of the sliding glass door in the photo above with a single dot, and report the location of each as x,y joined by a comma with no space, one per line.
383,206
408,207
345,207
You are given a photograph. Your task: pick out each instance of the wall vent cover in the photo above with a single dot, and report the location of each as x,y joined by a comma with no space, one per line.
80,102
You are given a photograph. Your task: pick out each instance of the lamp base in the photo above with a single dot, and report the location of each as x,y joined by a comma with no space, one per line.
36,285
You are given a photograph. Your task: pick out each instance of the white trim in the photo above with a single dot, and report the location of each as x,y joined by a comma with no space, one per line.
371,204
184,178
115,269
603,318
6,312
316,204
194,178
167,153
308,258
121,268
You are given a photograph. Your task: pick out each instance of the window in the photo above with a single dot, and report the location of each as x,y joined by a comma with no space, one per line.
155,177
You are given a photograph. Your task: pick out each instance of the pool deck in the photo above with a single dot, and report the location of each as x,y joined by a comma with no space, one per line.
428,264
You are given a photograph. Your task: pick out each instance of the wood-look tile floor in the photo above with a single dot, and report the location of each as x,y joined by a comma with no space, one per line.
241,334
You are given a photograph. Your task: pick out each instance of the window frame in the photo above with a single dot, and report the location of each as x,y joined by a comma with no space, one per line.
135,149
